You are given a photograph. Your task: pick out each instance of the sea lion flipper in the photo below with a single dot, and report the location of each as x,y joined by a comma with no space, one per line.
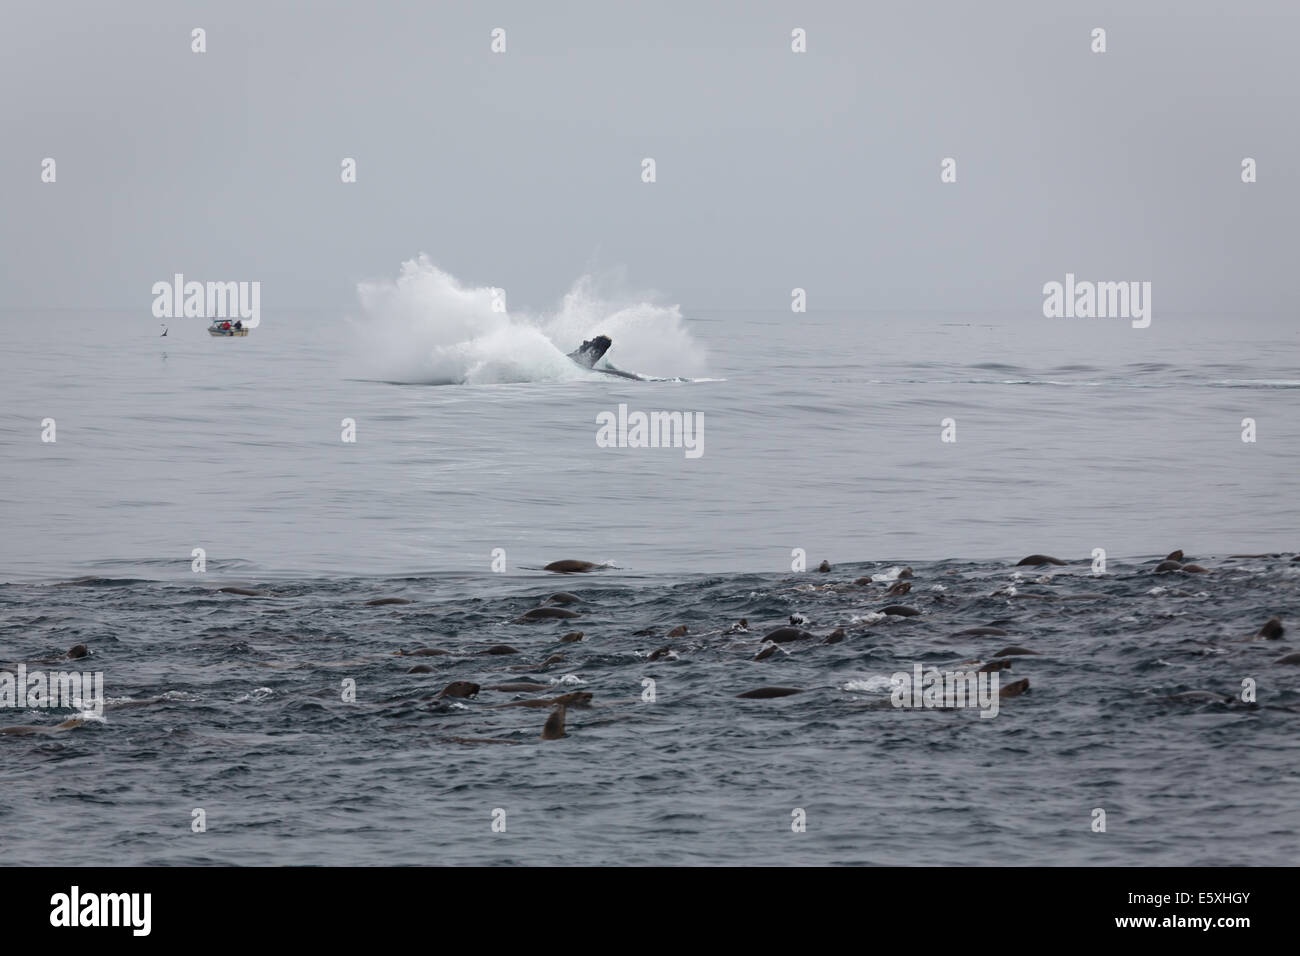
554,728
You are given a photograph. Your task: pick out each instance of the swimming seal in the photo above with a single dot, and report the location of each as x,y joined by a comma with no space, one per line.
1015,688
835,636
1288,659
1166,566
661,652
421,669
899,589
992,666
980,632
570,567
519,687
900,610
1175,556
767,651
562,597
381,602
554,728
764,693
739,627
678,631
575,698
75,652
783,634
824,567
1036,559
501,649
571,637
460,688
1271,629
545,614
247,592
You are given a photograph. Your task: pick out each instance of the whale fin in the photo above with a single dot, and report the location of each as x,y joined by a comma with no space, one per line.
590,351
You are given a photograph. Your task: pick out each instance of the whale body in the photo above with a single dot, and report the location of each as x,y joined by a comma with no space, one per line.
592,351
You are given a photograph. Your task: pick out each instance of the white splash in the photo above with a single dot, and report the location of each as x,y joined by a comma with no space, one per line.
427,327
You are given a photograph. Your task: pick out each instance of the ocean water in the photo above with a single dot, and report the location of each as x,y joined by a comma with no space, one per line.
822,435
821,432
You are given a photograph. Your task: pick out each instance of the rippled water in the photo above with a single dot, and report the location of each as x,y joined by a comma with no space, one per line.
234,704
821,434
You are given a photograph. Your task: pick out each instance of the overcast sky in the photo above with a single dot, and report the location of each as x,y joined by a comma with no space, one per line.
774,169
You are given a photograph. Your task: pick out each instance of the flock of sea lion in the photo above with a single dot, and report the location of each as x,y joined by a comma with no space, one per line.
558,607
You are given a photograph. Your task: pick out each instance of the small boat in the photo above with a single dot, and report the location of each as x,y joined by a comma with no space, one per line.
225,328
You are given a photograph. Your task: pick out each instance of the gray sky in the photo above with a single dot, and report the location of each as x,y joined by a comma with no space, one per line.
775,169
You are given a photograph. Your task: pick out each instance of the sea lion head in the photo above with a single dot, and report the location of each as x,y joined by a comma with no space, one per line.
1272,629
570,566
577,698
1015,688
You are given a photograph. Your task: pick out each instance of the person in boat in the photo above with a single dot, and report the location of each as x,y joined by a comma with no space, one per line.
238,325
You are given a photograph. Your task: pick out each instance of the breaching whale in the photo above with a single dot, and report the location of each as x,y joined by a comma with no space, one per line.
592,351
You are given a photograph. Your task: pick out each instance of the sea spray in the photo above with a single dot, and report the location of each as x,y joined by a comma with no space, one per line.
427,327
